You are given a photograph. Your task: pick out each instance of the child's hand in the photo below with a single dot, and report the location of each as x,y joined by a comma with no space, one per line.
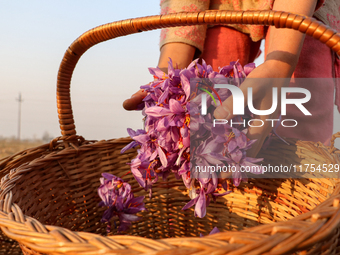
181,55
262,86
283,47
137,98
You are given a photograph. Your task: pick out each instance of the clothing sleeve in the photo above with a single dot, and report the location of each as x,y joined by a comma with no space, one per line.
192,35
319,4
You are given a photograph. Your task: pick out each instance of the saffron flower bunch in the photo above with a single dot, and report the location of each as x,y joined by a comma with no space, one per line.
117,196
176,138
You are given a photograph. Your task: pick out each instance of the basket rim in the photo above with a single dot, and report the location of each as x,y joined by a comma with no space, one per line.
311,227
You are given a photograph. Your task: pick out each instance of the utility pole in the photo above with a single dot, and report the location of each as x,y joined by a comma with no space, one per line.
19,115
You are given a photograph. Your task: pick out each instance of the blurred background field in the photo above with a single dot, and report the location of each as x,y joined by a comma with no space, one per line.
10,146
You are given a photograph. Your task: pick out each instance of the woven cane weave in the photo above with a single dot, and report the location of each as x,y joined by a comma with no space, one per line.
49,203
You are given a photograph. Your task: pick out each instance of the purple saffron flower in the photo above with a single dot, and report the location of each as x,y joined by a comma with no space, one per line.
128,209
132,134
117,196
177,138
200,203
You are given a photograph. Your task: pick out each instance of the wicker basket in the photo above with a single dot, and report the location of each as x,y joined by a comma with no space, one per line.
48,199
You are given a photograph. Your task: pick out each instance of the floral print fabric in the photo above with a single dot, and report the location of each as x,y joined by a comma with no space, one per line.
328,12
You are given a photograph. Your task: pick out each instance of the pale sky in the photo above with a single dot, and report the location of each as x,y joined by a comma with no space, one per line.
34,36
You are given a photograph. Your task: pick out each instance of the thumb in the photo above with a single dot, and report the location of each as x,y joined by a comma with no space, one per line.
227,108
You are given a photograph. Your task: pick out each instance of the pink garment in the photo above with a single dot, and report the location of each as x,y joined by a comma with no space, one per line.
224,44
195,35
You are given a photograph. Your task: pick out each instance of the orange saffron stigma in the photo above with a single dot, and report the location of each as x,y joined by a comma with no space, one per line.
135,204
180,143
148,173
186,156
187,119
231,135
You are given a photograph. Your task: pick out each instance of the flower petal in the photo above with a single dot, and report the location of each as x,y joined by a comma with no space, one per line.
190,203
175,106
214,231
157,111
108,176
162,157
157,72
131,145
142,138
201,205
248,68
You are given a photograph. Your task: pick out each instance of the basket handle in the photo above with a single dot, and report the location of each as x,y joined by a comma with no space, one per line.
332,147
279,19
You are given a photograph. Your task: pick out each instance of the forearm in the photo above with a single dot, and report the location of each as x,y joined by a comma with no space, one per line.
284,45
284,48
181,54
